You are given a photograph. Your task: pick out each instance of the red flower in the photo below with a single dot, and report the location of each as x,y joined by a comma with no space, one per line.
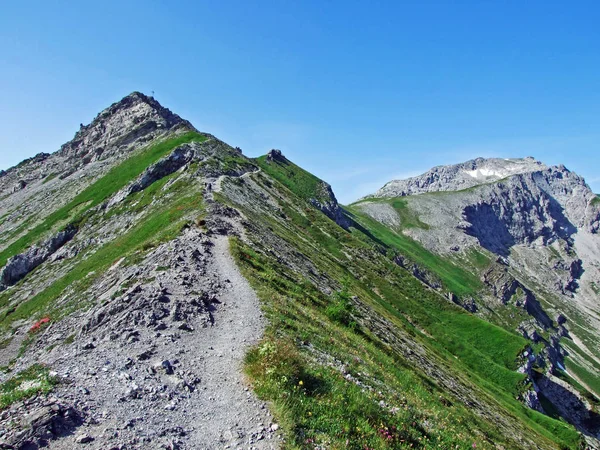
36,326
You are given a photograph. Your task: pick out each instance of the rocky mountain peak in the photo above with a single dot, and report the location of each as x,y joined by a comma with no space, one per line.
134,119
461,176
275,155
124,126
525,176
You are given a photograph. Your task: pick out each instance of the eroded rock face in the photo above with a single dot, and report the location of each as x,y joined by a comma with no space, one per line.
36,423
419,272
275,155
570,404
166,166
592,216
169,164
329,205
517,211
19,266
508,289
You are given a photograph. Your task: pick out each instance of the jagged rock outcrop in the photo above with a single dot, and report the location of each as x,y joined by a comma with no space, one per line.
20,265
275,155
419,272
171,163
166,166
329,205
570,404
592,215
36,423
507,288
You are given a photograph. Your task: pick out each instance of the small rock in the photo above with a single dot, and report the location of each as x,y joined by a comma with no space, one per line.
170,406
144,355
84,439
166,365
185,327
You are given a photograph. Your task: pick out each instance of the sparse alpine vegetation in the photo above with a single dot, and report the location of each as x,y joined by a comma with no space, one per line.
34,380
395,322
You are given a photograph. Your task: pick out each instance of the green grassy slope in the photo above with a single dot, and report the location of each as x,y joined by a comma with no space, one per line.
35,379
298,180
314,400
160,224
159,211
456,279
117,178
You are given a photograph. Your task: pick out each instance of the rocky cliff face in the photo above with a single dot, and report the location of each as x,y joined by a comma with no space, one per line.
20,265
520,211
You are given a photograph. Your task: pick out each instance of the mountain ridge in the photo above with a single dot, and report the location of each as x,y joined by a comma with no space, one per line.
378,333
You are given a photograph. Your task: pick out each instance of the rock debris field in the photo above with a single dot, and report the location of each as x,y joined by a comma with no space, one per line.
156,366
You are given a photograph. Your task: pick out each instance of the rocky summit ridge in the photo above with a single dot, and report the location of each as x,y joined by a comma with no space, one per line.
460,176
160,289
552,187
117,130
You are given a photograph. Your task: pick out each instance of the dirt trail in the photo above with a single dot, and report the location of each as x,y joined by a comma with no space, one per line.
232,413
157,361
189,391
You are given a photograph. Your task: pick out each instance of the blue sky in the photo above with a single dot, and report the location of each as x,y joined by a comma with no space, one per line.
356,92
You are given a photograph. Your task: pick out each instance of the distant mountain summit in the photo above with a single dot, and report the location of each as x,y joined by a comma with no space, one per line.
460,176
553,195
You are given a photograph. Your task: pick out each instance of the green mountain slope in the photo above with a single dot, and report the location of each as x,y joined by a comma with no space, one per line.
341,314
369,343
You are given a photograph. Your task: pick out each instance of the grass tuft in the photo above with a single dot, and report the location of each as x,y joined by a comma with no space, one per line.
28,383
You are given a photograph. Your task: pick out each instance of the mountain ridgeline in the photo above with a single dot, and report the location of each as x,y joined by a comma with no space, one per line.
159,289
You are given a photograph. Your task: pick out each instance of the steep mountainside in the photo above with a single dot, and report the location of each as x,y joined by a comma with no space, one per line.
531,237
145,265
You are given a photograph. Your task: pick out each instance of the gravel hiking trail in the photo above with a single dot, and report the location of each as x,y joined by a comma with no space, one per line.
232,417
125,398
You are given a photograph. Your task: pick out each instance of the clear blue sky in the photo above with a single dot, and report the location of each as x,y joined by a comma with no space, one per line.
356,92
